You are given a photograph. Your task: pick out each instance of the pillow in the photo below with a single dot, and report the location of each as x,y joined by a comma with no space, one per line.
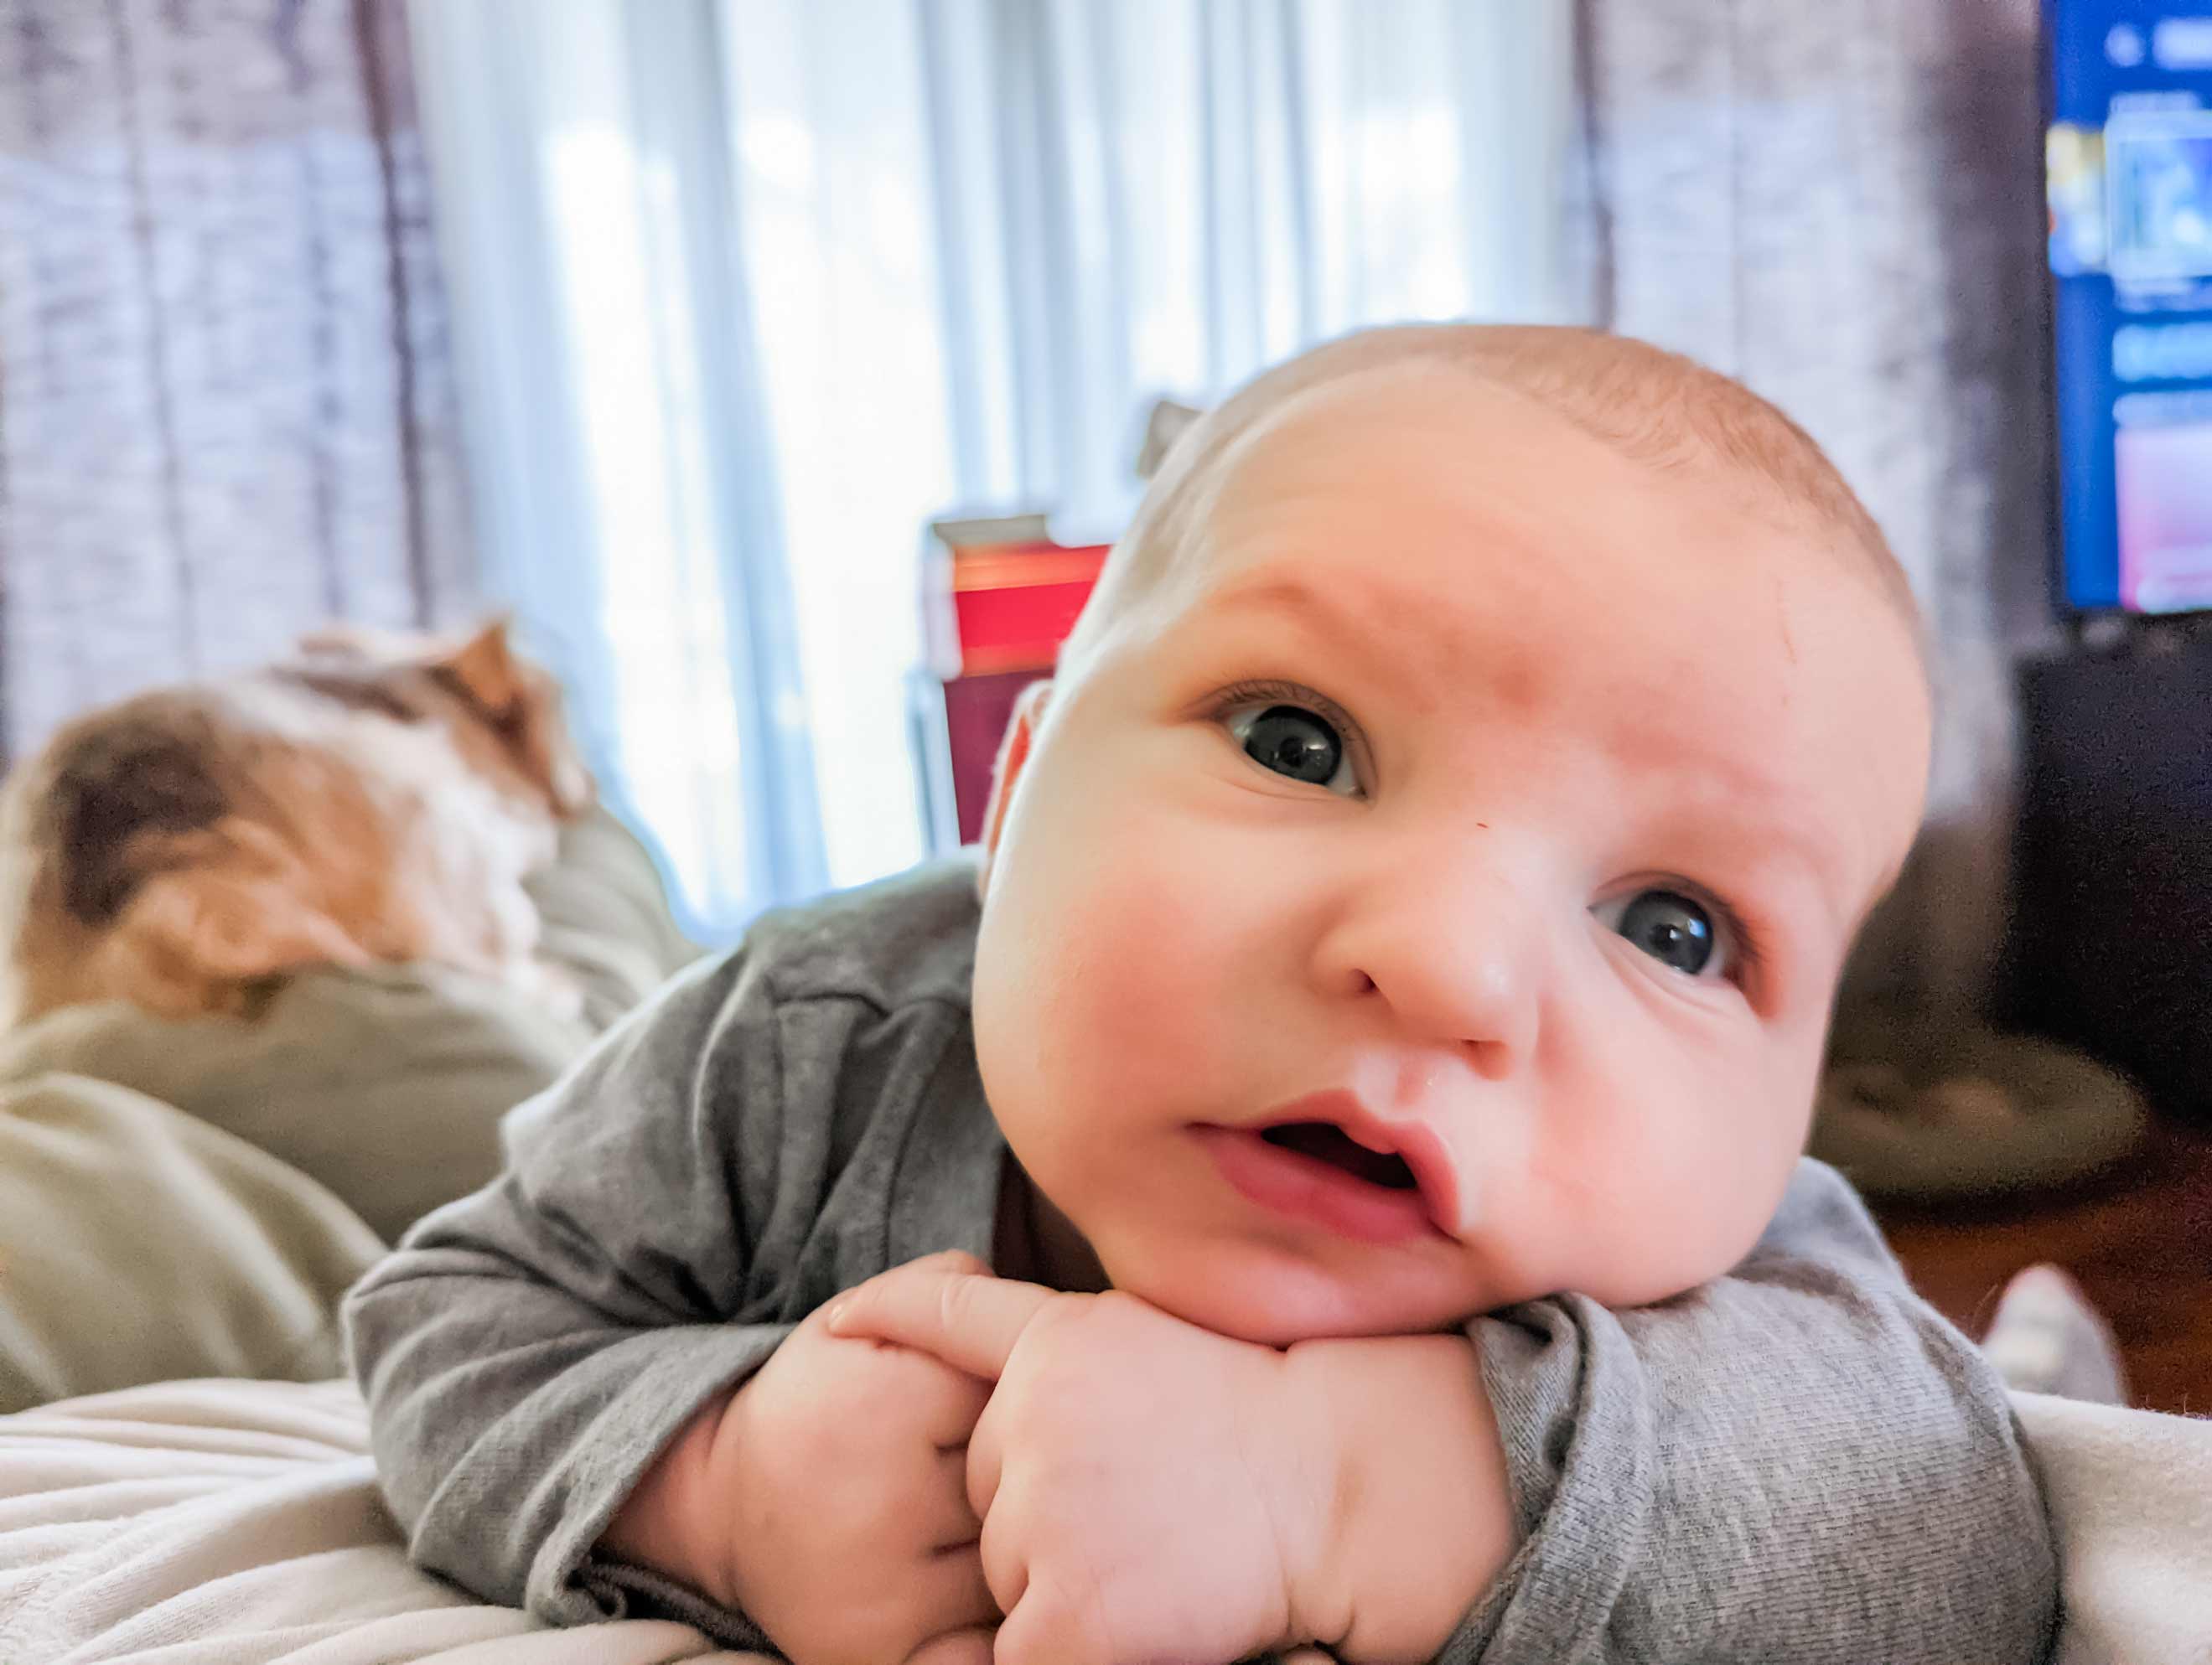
137,1242
385,1086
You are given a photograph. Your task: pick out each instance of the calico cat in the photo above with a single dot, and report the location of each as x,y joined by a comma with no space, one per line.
379,797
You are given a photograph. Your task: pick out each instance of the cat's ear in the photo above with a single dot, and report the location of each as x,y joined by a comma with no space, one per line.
483,668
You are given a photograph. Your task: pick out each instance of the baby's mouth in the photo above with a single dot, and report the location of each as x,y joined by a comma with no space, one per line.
1325,1142
1325,1160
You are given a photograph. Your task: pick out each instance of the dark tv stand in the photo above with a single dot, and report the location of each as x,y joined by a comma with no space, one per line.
2111,942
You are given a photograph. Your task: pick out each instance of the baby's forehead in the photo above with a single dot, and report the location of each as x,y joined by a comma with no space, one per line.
1377,439
1545,443
1464,530
1338,410
1356,472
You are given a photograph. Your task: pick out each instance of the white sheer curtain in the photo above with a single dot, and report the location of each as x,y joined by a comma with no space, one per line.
745,291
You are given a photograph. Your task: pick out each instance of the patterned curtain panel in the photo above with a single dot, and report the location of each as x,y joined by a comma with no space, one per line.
226,409
1841,203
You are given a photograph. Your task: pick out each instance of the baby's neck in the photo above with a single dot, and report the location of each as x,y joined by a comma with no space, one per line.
1033,1241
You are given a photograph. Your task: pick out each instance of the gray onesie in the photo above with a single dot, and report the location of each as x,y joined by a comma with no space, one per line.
1799,1461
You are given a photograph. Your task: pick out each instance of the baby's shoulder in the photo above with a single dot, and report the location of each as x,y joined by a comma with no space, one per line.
906,939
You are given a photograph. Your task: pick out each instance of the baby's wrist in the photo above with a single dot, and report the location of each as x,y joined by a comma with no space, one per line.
669,1524
1308,1454
1421,1523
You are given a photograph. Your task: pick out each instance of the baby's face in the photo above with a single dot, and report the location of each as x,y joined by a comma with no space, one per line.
1472,792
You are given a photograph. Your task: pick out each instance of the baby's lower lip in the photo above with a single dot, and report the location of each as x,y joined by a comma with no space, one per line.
1305,1188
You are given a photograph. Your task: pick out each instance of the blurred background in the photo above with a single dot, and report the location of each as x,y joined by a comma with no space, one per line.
668,324
672,328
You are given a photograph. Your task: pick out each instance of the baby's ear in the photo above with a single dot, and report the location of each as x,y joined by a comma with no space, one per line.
1013,758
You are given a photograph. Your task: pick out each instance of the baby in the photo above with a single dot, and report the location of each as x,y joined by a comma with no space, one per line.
1407,934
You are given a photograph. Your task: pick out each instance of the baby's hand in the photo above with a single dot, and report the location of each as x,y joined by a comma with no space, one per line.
1144,1485
852,1542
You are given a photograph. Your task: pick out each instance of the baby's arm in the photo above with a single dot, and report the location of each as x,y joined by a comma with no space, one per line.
1423,1518
594,1387
1800,1461
528,1350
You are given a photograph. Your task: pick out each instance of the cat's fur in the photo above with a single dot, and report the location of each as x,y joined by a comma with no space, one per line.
378,798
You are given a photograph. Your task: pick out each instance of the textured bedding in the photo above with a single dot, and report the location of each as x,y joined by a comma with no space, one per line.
237,1523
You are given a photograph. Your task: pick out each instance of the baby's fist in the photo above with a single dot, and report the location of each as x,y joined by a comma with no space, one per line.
851,1540
1139,1480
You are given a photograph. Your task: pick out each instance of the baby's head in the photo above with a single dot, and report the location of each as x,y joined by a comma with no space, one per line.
1483,745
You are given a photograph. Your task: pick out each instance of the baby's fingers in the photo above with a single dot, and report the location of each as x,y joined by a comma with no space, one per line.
1043,1627
950,1607
937,1305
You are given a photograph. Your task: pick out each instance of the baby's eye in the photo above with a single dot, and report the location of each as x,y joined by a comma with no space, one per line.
1293,741
1672,928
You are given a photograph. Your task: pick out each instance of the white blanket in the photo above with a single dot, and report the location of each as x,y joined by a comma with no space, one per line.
225,1523
2131,1492
237,1523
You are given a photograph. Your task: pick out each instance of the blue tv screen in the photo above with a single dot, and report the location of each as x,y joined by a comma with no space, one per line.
2128,161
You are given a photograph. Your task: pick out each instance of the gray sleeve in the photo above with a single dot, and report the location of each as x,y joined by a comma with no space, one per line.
527,1351
1800,1461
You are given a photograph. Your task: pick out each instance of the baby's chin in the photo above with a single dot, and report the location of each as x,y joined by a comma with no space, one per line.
1256,1293
1268,1298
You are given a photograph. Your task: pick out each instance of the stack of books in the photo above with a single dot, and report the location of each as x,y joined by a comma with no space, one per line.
1003,594
1000,596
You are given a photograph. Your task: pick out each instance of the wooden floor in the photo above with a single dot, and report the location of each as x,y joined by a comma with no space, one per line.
2139,1241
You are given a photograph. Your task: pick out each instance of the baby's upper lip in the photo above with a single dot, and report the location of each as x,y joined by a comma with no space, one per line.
1414,1143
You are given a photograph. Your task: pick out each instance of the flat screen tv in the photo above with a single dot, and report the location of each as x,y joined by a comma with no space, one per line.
2128,168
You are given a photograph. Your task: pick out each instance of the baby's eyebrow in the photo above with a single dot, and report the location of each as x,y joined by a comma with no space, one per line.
1356,629
1274,593
1769,835
1399,638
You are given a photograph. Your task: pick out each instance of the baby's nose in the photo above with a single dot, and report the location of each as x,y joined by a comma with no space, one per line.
1456,959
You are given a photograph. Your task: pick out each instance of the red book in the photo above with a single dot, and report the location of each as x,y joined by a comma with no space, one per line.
1000,597
1005,606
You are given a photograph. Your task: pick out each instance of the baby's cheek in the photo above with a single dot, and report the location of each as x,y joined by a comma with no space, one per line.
1142,977
1691,1184
1741,1187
